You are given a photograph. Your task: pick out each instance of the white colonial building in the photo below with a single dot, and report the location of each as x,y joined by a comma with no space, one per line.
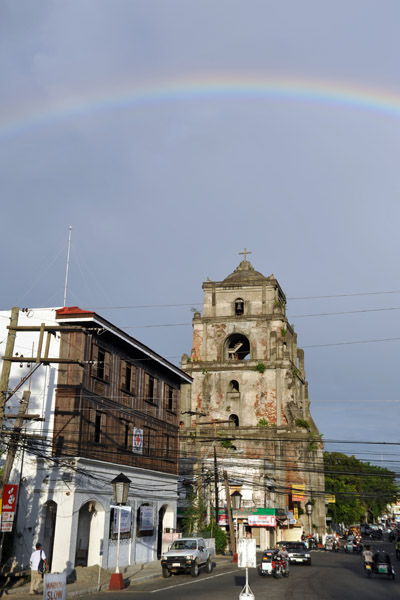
103,403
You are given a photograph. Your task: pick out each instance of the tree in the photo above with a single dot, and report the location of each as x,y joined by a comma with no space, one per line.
194,515
359,488
220,536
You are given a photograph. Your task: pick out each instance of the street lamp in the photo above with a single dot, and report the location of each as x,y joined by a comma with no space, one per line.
121,489
309,508
236,501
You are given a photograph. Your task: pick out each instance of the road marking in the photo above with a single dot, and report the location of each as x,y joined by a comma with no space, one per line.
171,587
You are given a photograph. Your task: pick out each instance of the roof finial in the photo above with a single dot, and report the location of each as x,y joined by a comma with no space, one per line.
245,252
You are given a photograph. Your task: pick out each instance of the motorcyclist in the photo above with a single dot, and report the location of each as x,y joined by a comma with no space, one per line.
367,555
283,554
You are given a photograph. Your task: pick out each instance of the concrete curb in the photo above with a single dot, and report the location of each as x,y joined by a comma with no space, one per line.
83,591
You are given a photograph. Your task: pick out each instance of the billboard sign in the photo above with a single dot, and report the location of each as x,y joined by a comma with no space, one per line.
298,492
9,498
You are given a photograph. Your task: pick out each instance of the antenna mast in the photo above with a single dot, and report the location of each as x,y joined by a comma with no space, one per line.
66,272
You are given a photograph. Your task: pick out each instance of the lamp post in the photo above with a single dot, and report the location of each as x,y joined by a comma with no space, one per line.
236,501
121,489
309,508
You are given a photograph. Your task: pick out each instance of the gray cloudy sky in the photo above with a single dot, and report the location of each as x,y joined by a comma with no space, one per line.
159,131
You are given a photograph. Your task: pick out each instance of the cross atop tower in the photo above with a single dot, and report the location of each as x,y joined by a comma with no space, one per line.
245,253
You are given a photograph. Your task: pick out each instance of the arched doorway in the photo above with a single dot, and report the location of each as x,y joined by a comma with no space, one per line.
49,529
90,531
166,524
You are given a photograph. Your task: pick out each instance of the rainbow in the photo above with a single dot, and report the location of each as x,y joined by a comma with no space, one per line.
183,90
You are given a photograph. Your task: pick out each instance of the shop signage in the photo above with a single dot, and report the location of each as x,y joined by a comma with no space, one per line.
262,520
245,512
9,498
223,520
9,502
298,492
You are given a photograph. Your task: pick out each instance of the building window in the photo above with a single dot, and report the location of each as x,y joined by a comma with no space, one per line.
239,306
98,422
100,363
169,398
237,347
125,433
234,386
128,377
149,441
234,420
150,388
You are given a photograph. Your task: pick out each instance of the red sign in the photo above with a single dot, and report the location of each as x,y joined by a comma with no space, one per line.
223,520
9,497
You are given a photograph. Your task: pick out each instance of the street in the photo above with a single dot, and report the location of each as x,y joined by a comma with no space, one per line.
331,576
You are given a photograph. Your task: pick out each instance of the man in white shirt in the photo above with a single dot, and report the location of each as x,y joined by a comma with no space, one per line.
367,555
36,577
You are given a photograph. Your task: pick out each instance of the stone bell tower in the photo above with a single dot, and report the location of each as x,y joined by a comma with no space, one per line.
249,387
245,361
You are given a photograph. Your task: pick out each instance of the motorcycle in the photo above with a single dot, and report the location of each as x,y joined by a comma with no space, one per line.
380,566
280,566
348,547
368,569
311,542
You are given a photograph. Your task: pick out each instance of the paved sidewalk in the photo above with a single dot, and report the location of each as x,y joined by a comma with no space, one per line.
87,579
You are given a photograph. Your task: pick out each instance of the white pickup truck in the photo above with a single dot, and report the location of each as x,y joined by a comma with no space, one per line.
186,555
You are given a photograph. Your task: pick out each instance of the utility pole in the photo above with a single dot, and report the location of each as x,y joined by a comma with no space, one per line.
13,446
14,440
216,487
5,372
230,520
200,494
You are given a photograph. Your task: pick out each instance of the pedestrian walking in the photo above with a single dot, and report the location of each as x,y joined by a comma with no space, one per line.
38,568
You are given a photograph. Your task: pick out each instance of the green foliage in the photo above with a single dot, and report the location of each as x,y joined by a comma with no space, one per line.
283,331
194,515
221,537
260,368
302,423
296,372
314,439
204,371
359,487
262,422
227,443
279,304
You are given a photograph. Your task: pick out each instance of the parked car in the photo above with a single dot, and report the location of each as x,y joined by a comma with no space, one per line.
298,552
187,555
